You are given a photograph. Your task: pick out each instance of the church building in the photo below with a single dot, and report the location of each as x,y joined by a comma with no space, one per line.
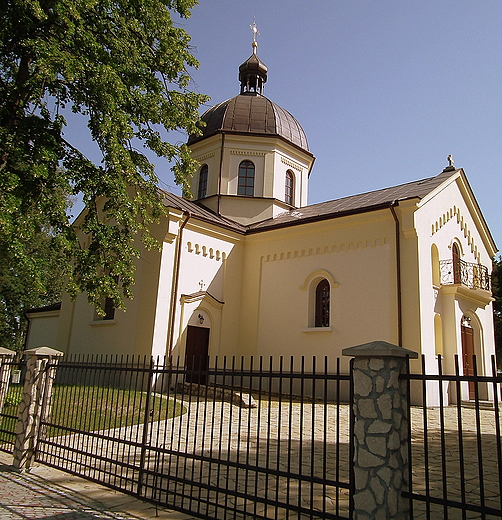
248,268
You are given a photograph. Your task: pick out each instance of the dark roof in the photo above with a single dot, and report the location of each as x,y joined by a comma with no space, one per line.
47,308
201,212
252,113
353,204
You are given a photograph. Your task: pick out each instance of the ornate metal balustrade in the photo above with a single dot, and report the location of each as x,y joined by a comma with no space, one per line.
474,276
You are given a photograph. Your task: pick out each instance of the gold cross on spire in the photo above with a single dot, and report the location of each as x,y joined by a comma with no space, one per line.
254,28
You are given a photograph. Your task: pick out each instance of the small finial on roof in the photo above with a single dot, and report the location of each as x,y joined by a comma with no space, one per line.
451,164
256,32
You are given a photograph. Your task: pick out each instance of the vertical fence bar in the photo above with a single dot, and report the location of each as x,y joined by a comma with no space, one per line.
268,429
352,444
496,403
249,440
443,441
351,431
312,438
325,437
279,433
458,387
410,459
290,426
300,427
258,450
426,438
479,442
6,357
145,444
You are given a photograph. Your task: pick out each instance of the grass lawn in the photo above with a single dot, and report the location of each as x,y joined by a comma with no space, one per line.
91,408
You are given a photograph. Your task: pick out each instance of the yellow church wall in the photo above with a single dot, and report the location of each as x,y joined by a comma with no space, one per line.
450,215
128,333
300,169
210,262
358,254
271,157
409,275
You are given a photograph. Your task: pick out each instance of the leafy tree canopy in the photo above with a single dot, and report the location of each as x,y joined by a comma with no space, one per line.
124,65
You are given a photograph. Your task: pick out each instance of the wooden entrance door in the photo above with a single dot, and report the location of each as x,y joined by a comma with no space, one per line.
196,358
467,353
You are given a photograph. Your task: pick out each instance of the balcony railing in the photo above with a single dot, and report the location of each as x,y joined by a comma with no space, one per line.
473,276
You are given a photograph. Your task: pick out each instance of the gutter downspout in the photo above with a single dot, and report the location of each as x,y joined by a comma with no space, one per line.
221,172
176,278
398,275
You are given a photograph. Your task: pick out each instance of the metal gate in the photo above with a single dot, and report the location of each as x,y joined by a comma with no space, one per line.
261,439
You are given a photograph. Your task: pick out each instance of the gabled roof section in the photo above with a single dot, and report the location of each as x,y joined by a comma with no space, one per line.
361,203
354,204
200,212
460,178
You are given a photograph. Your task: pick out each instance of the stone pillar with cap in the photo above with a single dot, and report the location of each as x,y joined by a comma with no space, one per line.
381,430
35,404
6,357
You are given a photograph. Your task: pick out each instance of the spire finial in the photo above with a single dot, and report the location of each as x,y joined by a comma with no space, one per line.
256,32
451,164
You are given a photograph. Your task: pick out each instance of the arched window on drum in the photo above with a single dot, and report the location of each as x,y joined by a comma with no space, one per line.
290,188
245,185
203,182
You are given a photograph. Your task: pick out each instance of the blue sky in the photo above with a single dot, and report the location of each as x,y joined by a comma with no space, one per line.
384,90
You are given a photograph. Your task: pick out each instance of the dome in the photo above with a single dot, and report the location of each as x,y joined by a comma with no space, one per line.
252,113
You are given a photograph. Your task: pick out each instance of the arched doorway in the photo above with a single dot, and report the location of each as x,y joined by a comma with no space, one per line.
467,335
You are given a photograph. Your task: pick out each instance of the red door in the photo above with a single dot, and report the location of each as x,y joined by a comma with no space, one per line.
196,358
467,353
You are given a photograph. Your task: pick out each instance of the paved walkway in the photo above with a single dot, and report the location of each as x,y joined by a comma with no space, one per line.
48,494
53,495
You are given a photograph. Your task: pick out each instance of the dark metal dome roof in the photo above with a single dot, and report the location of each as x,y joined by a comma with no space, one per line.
252,113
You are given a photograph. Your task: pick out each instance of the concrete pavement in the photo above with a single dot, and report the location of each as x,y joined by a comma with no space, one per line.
44,493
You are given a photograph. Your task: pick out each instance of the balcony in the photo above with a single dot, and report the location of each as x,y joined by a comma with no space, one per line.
472,276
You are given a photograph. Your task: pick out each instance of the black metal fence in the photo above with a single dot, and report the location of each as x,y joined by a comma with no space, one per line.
456,450
260,439
10,411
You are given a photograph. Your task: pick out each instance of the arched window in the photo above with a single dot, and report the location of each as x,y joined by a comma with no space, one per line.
245,184
322,294
203,182
436,269
457,269
290,182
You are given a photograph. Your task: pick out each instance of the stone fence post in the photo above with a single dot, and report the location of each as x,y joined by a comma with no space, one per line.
34,407
6,357
381,429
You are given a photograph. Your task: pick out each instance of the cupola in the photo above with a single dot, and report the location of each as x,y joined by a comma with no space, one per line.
254,154
253,73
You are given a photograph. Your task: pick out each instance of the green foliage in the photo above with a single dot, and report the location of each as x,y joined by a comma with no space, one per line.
32,273
13,400
497,305
124,65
